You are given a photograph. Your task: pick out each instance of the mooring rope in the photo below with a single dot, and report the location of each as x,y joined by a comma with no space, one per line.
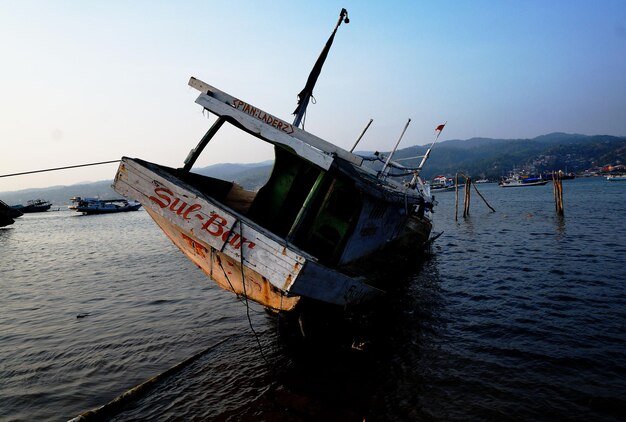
245,295
60,168
117,405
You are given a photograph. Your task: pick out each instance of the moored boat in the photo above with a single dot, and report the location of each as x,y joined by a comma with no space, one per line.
313,232
616,178
521,180
558,174
102,206
34,205
441,184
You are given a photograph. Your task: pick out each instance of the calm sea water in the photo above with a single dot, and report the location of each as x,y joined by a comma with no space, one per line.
518,315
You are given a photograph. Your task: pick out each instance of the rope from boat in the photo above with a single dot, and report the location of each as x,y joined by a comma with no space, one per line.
219,262
243,283
60,168
117,405
245,296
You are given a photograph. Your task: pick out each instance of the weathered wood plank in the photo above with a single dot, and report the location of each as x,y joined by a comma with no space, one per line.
266,119
266,131
318,282
209,224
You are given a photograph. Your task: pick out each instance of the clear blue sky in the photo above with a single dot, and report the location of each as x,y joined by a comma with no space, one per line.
93,81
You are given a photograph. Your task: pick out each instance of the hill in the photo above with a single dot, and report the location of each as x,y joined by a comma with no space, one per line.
478,157
493,158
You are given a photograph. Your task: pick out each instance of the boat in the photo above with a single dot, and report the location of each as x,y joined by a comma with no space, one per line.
441,184
34,205
560,174
520,180
316,232
8,214
102,206
616,177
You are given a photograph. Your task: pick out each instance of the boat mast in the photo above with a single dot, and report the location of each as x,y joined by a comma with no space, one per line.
362,133
382,172
307,92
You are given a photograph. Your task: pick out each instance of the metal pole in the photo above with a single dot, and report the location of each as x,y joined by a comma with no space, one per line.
382,172
362,133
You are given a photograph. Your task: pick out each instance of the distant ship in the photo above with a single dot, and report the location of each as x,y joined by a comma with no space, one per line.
522,180
35,205
561,174
102,206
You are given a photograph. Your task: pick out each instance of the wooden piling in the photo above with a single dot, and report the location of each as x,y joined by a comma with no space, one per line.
456,202
468,185
483,198
557,185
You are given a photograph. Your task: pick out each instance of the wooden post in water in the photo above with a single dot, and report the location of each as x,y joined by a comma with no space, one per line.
468,186
556,207
557,184
483,198
456,202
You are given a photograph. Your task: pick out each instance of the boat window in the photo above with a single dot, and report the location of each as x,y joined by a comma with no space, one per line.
331,221
233,145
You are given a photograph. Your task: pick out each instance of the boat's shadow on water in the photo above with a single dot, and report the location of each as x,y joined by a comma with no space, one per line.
341,363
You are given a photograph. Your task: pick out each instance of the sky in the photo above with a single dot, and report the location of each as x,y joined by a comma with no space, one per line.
85,82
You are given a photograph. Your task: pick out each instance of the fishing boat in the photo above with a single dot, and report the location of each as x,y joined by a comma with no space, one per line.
558,174
616,178
315,232
441,184
34,205
521,180
102,206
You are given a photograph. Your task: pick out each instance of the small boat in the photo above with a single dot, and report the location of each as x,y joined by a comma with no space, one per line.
8,214
616,178
520,180
441,184
102,206
560,174
35,205
317,230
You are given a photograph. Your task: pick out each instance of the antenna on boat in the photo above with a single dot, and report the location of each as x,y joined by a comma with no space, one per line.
307,92
382,172
417,171
362,133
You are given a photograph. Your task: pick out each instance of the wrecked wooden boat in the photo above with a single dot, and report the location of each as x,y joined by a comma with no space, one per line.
315,231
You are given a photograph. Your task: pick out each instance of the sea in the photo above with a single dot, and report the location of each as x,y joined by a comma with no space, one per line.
517,315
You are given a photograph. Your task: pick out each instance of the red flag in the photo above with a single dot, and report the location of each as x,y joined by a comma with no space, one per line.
440,127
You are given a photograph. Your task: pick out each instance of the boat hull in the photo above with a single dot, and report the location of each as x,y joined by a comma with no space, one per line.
239,255
93,210
522,185
226,272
